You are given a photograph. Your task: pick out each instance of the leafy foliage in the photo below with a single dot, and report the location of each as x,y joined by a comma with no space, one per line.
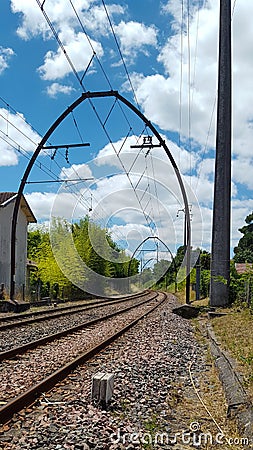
241,285
105,259
244,250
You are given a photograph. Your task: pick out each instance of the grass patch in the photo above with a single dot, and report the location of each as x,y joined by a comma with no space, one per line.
181,296
235,334
212,395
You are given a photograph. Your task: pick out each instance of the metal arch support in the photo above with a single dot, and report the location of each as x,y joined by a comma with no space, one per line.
151,259
58,121
145,240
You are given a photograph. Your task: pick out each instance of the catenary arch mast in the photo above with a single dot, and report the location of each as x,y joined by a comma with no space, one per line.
58,121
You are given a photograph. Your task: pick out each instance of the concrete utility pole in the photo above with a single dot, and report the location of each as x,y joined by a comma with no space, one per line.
220,261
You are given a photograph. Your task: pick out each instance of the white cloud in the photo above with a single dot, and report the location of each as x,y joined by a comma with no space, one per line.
41,203
160,95
56,88
242,171
185,160
5,55
16,136
59,11
8,156
206,168
135,36
65,204
95,19
61,14
132,233
76,171
77,48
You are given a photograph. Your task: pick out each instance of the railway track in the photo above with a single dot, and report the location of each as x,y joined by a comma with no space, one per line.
99,318
56,359
18,320
28,332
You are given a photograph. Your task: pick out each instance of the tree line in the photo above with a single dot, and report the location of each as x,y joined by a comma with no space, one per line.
49,280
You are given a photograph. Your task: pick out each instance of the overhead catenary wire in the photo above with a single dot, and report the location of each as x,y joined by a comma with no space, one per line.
17,147
40,165
8,121
120,53
56,36
80,80
233,10
12,109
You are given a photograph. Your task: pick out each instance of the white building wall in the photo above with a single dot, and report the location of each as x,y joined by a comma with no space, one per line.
5,229
21,255
5,249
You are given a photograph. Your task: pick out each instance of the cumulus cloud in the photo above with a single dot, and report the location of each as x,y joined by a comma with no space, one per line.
55,88
59,11
8,156
185,160
5,55
159,94
41,203
17,136
167,105
95,19
242,172
135,37
82,171
78,49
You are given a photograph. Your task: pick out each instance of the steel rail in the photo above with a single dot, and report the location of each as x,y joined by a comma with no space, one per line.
33,344
64,311
28,397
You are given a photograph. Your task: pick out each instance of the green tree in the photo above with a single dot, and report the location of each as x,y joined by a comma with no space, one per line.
160,269
205,260
33,243
244,250
85,240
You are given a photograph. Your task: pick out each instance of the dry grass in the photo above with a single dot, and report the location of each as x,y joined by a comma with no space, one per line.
202,302
211,412
234,332
212,417
181,296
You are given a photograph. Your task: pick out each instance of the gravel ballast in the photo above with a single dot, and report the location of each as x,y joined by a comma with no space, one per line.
27,333
152,379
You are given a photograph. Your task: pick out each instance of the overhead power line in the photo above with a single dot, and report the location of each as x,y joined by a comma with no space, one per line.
81,83
120,53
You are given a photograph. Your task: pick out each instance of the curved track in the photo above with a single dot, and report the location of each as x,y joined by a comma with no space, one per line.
62,356
53,336
19,320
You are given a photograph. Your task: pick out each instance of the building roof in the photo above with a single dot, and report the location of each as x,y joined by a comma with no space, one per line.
5,196
8,197
243,267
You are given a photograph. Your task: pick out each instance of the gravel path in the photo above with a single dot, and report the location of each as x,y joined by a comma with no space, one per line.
150,363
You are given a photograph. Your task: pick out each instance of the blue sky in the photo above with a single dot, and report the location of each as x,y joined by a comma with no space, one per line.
170,51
